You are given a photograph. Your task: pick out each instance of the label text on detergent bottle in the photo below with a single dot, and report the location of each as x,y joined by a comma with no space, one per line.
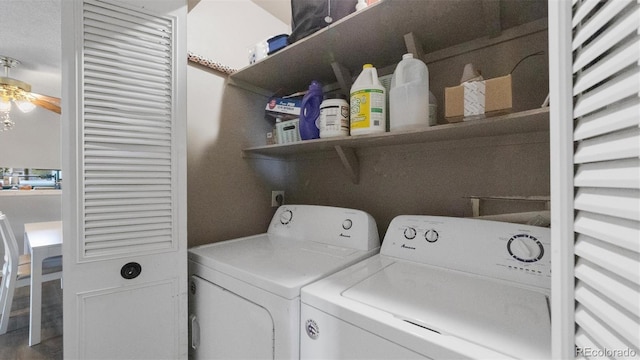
367,108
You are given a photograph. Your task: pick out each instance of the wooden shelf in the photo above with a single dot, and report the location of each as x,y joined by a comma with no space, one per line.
376,35
536,120
521,122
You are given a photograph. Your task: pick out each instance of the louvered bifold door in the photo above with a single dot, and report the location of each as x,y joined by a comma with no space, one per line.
124,192
606,112
127,134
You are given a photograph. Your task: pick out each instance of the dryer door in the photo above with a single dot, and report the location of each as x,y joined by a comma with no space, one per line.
223,325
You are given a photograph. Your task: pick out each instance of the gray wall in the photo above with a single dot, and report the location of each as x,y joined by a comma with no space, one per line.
229,195
437,178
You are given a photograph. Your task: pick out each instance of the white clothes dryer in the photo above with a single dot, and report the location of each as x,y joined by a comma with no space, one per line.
440,288
244,294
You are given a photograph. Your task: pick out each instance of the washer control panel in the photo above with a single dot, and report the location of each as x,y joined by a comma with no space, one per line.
508,251
526,248
349,228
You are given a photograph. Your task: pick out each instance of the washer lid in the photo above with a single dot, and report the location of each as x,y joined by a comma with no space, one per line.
505,318
276,264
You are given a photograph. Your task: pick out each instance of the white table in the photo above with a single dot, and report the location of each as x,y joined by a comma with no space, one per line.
44,240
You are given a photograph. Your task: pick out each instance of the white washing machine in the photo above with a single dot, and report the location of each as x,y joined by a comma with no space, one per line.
441,288
244,295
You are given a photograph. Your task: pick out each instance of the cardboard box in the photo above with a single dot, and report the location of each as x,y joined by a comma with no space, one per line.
283,108
478,99
288,131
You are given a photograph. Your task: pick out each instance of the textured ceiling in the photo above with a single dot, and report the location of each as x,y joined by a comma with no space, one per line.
30,33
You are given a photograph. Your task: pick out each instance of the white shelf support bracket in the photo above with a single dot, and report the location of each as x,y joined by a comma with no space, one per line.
343,75
414,45
475,207
350,162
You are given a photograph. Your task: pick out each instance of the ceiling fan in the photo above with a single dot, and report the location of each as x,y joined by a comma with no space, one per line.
19,92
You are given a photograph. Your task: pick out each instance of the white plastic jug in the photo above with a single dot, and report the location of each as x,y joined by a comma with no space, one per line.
368,103
409,95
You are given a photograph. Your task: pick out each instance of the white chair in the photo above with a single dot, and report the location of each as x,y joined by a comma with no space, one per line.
16,271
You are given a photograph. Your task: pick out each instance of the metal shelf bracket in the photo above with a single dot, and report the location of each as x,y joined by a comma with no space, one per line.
350,162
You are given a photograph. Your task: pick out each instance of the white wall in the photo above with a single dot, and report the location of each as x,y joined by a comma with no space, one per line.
34,142
223,30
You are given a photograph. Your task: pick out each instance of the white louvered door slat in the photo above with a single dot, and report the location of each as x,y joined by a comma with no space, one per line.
605,248
617,231
603,254
611,37
618,174
617,289
606,311
623,115
621,58
622,203
621,87
618,145
595,23
585,8
120,140
127,161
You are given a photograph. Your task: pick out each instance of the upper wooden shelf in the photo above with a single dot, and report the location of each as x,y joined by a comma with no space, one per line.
376,35
530,121
535,120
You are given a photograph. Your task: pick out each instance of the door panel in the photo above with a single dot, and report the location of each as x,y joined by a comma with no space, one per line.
119,336
227,326
123,135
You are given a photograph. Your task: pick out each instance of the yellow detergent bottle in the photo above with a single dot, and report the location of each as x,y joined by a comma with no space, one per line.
368,113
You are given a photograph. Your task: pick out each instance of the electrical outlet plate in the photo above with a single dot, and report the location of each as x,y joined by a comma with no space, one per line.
275,194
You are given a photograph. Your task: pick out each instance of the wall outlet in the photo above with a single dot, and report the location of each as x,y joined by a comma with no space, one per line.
277,198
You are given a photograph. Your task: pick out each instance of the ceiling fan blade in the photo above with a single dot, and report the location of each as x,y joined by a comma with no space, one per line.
48,102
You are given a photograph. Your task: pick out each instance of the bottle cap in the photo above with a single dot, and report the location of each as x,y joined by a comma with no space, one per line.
407,56
366,66
315,85
335,96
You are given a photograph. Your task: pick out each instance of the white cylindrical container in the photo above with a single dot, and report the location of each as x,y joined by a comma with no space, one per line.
409,95
334,118
367,103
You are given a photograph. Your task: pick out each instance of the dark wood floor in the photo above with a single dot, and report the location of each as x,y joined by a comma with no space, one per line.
15,343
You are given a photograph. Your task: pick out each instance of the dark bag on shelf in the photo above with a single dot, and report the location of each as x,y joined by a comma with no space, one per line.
309,16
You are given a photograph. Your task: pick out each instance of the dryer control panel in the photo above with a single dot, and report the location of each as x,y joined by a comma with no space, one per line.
507,251
342,227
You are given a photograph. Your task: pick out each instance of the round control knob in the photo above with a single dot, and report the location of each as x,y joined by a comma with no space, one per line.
525,248
410,233
286,217
347,224
431,235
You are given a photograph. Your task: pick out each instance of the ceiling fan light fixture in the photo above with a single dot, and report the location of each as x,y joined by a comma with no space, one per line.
5,121
5,105
25,106
20,93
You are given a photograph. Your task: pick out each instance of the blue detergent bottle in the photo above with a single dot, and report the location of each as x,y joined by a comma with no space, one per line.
310,112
